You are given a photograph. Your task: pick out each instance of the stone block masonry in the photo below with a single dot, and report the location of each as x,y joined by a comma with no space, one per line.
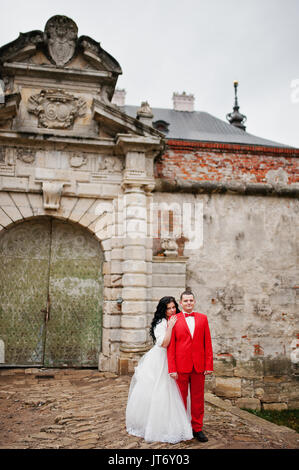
248,384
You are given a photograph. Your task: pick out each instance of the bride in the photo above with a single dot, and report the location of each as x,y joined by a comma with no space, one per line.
155,409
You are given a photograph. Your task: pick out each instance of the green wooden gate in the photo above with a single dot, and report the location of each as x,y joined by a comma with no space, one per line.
50,294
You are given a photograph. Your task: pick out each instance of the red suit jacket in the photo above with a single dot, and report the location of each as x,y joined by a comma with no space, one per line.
185,352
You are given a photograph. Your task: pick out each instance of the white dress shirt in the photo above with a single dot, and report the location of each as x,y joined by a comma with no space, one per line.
191,323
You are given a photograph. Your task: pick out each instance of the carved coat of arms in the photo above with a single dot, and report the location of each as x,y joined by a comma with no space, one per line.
61,36
56,109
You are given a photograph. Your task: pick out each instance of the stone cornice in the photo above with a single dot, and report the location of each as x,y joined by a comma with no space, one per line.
169,259
50,71
229,187
132,143
49,140
132,184
119,145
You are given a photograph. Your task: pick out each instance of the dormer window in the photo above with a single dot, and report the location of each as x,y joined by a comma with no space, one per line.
161,126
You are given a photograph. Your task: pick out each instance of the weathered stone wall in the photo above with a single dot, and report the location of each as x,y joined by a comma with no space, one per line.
244,276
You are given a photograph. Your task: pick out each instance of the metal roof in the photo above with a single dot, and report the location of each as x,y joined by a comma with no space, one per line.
202,126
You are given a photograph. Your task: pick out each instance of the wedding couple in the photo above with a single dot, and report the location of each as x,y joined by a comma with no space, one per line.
161,405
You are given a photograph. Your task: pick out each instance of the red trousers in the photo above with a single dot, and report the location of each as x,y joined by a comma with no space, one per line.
197,385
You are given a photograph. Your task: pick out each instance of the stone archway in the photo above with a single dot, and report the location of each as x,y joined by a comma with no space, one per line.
50,294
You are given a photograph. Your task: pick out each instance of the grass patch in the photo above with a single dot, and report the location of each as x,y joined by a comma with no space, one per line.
289,418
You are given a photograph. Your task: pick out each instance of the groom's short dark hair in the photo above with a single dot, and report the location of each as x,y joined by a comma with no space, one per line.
188,291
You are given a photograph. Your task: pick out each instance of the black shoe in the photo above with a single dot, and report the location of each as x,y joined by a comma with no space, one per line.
200,436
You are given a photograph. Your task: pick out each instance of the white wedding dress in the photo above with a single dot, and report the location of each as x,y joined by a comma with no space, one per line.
155,410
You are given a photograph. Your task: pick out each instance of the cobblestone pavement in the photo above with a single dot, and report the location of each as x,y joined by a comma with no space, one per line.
85,409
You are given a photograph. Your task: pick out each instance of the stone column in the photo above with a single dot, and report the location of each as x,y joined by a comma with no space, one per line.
134,293
137,255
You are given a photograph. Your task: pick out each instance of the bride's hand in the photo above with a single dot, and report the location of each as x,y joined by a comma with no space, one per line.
174,375
172,321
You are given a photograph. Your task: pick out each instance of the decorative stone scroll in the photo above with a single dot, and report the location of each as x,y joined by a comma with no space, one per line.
56,109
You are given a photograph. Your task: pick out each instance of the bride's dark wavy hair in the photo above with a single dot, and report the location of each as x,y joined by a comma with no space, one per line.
160,313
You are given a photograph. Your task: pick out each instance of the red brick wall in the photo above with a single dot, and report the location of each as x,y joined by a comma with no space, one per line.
198,161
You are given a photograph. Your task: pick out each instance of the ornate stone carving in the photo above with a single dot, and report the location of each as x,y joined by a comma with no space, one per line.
22,48
56,109
61,37
145,110
26,155
109,164
144,113
90,46
169,246
77,160
51,194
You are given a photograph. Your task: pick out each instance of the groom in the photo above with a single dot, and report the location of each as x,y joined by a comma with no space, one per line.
190,358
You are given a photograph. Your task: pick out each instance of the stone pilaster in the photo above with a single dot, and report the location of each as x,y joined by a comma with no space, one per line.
138,183
135,276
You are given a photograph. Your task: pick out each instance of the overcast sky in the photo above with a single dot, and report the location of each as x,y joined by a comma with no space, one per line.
196,46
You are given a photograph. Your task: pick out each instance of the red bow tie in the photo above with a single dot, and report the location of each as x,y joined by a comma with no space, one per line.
189,314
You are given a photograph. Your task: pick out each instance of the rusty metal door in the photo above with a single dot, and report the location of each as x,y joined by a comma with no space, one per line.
50,295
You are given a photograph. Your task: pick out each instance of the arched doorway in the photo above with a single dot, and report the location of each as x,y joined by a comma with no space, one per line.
50,294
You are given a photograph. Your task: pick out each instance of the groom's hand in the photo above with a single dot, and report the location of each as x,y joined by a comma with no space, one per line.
174,375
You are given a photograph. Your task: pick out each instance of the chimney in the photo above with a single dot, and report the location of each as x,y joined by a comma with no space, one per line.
183,102
119,97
